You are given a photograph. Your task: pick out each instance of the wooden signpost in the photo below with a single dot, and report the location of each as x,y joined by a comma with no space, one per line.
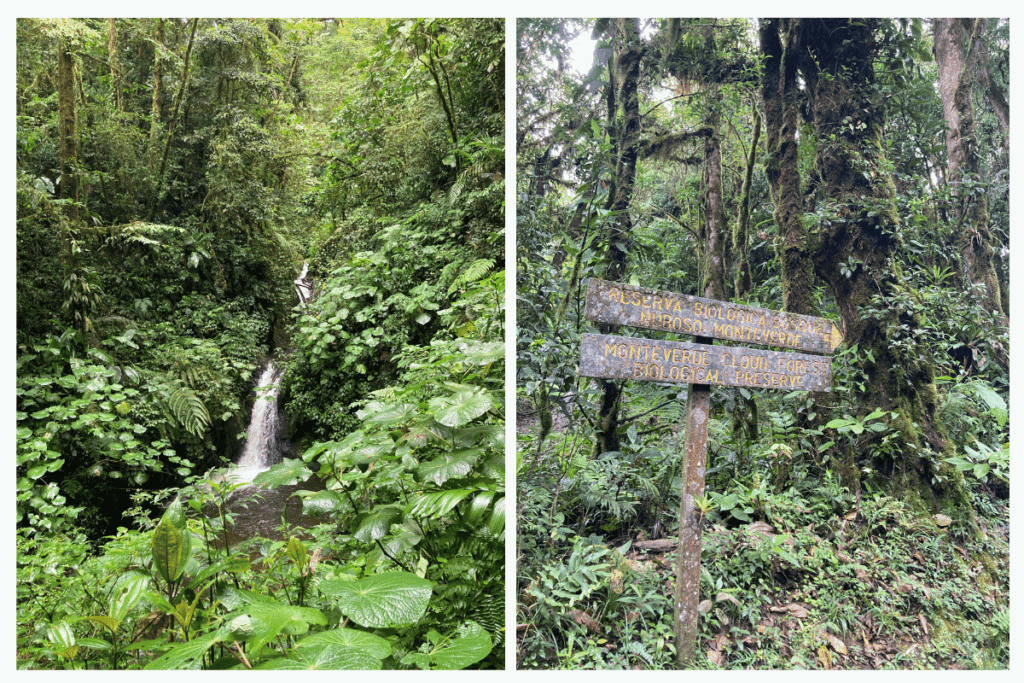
700,365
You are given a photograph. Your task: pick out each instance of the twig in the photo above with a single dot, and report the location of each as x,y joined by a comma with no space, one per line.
241,655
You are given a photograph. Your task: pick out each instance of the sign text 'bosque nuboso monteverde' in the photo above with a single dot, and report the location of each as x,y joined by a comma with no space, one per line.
654,360
622,304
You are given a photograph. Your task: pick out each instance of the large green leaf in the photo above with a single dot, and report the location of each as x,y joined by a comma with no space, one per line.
322,658
463,407
381,601
171,550
376,524
270,619
455,464
175,514
434,505
496,524
187,655
286,473
103,620
387,415
296,552
316,503
372,645
482,353
129,589
470,644
341,648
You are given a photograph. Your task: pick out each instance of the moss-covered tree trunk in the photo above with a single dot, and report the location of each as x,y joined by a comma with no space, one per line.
780,43
66,126
850,247
158,87
715,230
115,66
624,72
956,61
740,234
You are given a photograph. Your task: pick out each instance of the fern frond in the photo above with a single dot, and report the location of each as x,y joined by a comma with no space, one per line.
187,409
473,272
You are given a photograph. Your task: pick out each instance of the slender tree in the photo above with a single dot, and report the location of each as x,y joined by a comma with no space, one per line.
623,111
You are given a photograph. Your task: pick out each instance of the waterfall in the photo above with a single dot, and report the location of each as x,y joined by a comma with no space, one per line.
303,286
265,444
263,439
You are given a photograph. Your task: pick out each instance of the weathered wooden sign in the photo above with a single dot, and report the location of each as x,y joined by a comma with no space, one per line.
653,360
701,364
622,304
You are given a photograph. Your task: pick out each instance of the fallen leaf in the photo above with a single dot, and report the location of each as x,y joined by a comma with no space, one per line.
584,619
723,596
793,609
825,657
837,644
942,520
704,607
716,657
924,623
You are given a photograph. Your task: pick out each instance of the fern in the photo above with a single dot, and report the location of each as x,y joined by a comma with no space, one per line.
472,273
141,232
184,407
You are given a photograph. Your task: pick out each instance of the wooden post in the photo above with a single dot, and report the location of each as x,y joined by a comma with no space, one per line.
687,596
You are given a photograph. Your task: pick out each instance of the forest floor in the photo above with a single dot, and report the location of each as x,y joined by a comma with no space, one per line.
867,588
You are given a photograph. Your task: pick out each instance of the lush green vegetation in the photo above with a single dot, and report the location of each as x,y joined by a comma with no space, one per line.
863,528
172,177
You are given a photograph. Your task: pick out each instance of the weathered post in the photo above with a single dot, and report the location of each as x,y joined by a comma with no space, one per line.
684,611
700,365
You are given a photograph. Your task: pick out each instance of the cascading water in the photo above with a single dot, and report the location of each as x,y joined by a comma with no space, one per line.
304,286
264,443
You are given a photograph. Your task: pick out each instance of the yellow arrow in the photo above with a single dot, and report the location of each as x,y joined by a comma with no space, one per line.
833,337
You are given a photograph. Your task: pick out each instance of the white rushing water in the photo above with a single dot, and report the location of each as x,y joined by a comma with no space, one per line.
303,286
262,439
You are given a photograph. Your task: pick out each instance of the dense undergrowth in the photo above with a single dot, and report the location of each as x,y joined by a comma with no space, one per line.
802,575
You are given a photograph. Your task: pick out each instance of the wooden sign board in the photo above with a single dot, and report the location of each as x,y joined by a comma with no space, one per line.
622,304
653,360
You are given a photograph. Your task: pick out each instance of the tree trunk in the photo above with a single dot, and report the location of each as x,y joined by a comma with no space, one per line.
780,93
115,67
858,230
625,76
170,125
955,59
740,247
158,86
66,123
715,230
